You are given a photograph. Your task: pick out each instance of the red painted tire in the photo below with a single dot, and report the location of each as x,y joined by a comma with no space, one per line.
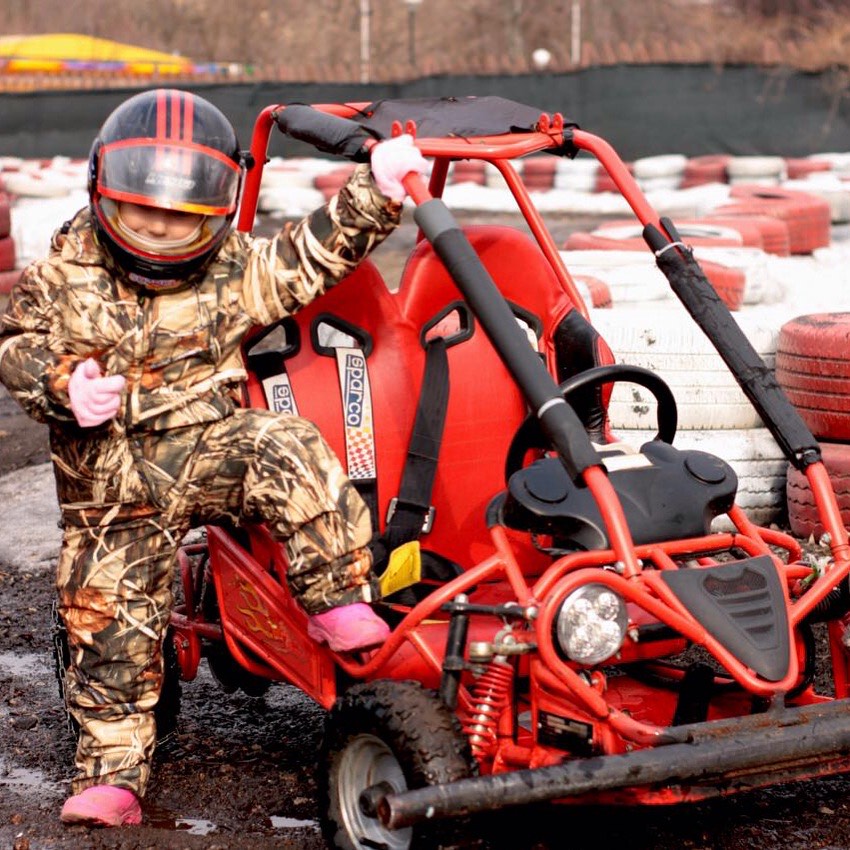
5,215
539,165
600,292
728,283
331,182
604,183
801,168
538,182
813,367
8,279
773,231
808,217
7,253
705,169
468,171
802,515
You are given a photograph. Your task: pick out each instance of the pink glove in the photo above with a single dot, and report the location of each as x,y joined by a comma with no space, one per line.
94,399
394,159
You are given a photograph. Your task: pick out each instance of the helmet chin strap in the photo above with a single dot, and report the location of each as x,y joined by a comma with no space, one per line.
155,245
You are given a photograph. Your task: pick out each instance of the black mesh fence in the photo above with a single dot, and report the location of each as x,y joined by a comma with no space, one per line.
642,110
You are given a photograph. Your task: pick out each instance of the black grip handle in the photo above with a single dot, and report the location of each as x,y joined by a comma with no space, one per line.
329,133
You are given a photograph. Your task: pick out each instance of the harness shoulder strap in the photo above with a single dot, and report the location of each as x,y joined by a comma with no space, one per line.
410,513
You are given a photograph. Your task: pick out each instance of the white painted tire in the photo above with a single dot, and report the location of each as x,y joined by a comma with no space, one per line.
587,165
665,165
758,462
760,285
289,200
287,178
575,182
751,168
829,187
35,185
632,276
688,231
665,339
659,184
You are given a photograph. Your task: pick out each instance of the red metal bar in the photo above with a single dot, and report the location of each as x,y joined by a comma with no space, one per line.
487,570
541,233
611,162
254,175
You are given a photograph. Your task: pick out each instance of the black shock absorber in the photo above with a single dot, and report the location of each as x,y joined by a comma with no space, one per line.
835,604
453,663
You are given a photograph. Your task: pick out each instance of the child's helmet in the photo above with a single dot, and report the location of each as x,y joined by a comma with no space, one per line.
169,149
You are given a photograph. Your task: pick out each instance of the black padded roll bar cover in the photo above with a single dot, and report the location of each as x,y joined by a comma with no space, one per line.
559,421
328,133
758,383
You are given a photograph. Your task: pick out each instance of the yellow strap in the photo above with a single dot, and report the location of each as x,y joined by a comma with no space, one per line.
403,569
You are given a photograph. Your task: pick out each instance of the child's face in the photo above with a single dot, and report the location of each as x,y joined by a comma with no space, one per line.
155,223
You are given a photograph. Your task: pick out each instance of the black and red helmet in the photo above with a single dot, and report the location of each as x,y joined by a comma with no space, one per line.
172,150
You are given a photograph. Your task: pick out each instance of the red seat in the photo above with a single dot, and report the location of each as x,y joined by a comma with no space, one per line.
485,407
362,307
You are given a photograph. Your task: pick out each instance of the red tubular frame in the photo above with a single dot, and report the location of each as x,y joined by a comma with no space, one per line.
493,149
624,572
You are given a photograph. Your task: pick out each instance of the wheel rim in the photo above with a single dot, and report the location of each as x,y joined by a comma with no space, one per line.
366,761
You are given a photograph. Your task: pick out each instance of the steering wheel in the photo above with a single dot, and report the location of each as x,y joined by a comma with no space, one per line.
530,435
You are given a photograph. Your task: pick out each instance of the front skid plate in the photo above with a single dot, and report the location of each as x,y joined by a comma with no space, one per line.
717,754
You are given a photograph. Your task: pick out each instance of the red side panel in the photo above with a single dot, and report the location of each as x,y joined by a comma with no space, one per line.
259,617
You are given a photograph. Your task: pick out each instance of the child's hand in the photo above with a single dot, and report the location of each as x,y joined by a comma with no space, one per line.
94,399
394,159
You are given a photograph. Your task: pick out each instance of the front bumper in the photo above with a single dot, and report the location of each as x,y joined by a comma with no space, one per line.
724,755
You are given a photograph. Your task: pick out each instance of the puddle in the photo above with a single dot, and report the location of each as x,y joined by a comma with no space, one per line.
22,663
199,826
279,822
195,826
23,779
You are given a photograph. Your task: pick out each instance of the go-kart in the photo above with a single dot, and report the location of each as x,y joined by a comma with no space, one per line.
566,624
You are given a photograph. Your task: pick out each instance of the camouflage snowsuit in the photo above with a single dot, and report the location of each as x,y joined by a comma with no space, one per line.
181,450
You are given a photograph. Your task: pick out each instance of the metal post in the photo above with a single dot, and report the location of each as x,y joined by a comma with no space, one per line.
365,20
411,34
575,33
412,5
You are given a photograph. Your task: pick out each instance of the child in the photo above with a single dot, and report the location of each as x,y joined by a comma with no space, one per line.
126,342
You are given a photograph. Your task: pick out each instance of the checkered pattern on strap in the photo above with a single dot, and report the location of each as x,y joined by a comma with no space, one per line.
356,396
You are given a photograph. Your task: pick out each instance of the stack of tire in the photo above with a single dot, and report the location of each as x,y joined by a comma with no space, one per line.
617,236
714,416
807,216
648,328
8,273
813,367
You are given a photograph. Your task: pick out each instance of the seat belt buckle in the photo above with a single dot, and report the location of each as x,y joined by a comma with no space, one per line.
427,522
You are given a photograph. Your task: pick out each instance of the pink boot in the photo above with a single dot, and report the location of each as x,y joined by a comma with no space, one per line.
102,805
348,627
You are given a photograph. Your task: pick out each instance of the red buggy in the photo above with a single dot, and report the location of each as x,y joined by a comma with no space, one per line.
566,626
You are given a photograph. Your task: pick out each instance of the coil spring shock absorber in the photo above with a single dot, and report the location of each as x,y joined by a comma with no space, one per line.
490,696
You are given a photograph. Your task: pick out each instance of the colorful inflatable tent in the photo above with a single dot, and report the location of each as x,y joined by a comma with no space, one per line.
61,52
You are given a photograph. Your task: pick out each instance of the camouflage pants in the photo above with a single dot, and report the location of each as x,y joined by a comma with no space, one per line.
116,567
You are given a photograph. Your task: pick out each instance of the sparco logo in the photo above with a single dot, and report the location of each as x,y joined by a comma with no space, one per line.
355,370
172,181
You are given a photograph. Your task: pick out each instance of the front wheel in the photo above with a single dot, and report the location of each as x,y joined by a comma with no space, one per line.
402,736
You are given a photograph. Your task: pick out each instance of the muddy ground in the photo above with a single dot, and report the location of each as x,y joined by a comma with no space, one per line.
240,771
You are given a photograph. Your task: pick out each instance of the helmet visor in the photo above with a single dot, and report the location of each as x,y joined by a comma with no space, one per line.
174,175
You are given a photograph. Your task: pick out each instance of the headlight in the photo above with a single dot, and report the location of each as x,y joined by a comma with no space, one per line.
591,624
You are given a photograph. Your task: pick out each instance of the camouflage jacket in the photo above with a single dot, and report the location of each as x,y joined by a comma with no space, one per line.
179,350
